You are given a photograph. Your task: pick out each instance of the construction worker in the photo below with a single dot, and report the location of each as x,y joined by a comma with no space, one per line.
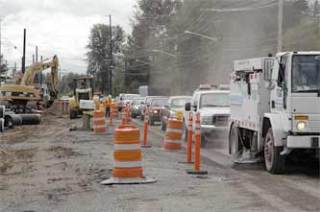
107,103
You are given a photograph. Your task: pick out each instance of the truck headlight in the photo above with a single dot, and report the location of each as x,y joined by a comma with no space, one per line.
301,125
155,112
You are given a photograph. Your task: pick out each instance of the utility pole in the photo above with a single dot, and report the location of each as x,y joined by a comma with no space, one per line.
0,48
110,56
23,65
39,75
280,25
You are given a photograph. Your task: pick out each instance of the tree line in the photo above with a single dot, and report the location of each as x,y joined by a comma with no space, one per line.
176,45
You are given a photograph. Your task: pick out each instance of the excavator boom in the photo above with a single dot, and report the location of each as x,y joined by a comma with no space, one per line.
25,91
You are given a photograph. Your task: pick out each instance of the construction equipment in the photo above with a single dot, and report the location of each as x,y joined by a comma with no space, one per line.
18,95
83,91
275,108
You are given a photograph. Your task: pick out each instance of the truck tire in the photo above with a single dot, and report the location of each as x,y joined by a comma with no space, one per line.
185,131
204,141
274,162
235,146
163,126
73,114
151,121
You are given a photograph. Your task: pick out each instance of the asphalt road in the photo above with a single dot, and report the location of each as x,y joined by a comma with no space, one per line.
49,168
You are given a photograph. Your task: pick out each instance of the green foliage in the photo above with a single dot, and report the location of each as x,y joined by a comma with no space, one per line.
150,27
99,60
3,66
197,59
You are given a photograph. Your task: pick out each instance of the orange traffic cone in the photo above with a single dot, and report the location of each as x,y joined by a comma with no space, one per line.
172,139
127,155
197,150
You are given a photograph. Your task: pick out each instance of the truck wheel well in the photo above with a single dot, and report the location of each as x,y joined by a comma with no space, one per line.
265,126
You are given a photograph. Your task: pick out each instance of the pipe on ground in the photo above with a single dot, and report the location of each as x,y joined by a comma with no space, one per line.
30,119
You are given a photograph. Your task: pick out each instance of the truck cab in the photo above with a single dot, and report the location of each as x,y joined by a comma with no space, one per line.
275,107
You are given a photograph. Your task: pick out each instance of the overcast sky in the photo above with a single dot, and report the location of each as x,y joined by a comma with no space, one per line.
58,27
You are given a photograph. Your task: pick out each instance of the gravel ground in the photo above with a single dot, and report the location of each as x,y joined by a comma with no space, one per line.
49,168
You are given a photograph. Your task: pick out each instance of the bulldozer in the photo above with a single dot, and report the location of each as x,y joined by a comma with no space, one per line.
18,95
82,92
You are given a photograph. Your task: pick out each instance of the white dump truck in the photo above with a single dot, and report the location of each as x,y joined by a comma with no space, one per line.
275,108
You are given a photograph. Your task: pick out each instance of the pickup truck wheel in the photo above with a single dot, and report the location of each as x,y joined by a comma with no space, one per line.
204,141
151,122
163,126
185,131
274,162
235,146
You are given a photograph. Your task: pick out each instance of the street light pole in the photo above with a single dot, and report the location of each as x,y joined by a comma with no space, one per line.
23,65
280,25
111,56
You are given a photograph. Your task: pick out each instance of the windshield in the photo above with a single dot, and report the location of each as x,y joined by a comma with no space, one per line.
214,100
137,101
159,102
306,73
178,103
130,96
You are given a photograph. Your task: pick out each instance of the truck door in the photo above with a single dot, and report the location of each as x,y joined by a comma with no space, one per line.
280,91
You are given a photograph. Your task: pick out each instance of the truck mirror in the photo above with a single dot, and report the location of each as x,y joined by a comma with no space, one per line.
187,106
195,107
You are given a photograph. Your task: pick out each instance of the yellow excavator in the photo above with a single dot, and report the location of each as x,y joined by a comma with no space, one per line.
18,95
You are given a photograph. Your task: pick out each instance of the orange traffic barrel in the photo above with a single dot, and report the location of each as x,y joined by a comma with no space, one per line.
127,153
128,168
99,122
173,135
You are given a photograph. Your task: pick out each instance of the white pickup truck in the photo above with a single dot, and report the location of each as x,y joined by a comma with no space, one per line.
214,109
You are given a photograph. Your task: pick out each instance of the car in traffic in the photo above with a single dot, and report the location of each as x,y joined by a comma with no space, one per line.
136,105
125,98
147,102
154,109
214,109
173,109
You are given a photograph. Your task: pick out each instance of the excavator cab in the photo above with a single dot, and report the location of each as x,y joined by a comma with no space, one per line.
82,90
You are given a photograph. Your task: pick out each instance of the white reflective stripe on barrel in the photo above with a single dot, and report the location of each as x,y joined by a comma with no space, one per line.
99,119
127,146
127,164
174,130
99,127
172,141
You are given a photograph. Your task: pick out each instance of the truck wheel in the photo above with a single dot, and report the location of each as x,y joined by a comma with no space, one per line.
204,141
274,162
73,114
163,126
235,146
151,122
185,131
